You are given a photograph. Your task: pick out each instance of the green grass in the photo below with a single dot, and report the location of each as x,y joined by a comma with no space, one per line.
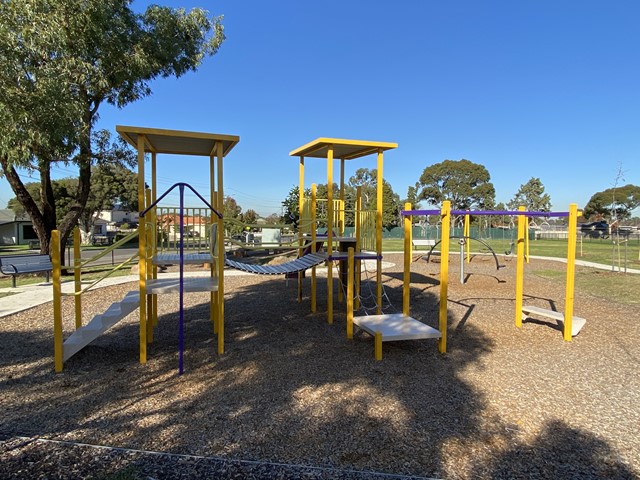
22,280
592,250
613,286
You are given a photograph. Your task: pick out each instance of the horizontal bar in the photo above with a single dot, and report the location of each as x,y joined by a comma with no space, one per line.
408,213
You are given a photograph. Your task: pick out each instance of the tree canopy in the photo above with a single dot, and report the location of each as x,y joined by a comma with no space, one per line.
365,179
60,60
532,196
614,203
465,184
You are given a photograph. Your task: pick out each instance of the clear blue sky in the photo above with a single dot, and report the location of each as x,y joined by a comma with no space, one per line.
543,89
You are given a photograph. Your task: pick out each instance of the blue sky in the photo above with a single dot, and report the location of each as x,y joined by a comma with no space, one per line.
543,89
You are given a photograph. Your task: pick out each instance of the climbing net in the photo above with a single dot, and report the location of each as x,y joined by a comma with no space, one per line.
366,299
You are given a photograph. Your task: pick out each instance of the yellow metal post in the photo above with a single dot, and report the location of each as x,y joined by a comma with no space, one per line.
350,294
571,271
314,248
467,233
330,233
444,274
378,346
406,286
154,196
300,229
221,252
77,279
379,191
522,221
58,347
526,241
142,251
213,297
149,242
358,232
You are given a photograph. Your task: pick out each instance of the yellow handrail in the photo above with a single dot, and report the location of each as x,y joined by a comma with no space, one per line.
109,249
106,275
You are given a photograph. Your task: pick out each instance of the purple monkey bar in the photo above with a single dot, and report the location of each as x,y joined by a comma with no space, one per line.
407,213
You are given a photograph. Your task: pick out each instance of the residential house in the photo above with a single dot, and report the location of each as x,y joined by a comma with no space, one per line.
15,230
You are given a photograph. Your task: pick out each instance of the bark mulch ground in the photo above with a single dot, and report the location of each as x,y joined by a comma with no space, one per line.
291,397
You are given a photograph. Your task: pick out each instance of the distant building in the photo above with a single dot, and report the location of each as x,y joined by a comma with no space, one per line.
112,219
14,229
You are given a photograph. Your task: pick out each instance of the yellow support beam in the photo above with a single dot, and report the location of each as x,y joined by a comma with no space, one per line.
330,233
142,263
444,275
406,286
213,199
378,346
379,196
150,248
58,347
314,294
520,247
467,233
300,231
350,275
77,280
221,252
571,271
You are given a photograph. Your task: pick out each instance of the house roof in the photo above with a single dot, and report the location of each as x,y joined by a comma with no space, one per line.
8,216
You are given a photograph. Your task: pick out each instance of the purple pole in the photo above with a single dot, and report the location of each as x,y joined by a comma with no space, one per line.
181,327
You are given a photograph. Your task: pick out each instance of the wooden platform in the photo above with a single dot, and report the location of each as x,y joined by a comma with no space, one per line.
394,327
188,258
190,284
576,323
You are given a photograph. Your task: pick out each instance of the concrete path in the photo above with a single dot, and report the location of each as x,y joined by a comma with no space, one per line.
28,296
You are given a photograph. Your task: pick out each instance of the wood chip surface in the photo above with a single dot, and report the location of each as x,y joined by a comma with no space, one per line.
291,397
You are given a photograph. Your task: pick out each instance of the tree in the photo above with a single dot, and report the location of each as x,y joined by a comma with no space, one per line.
250,217
532,196
231,210
291,214
60,60
464,183
367,180
272,219
110,185
613,203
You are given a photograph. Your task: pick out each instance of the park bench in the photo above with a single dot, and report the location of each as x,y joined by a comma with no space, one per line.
423,242
15,265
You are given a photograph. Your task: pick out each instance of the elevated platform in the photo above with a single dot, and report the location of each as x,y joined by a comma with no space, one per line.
188,258
394,327
576,322
157,286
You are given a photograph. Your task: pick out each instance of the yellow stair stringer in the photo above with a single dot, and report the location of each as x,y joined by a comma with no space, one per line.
99,324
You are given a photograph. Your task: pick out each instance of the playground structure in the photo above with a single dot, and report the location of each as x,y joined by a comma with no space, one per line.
571,324
348,252
207,236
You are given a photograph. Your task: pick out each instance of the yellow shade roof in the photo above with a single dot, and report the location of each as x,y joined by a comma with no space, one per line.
177,142
342,149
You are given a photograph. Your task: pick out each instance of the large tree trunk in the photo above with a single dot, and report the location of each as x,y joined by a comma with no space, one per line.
70,220
25,199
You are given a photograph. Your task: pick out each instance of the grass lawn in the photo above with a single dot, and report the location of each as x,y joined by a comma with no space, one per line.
591,250
608,284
